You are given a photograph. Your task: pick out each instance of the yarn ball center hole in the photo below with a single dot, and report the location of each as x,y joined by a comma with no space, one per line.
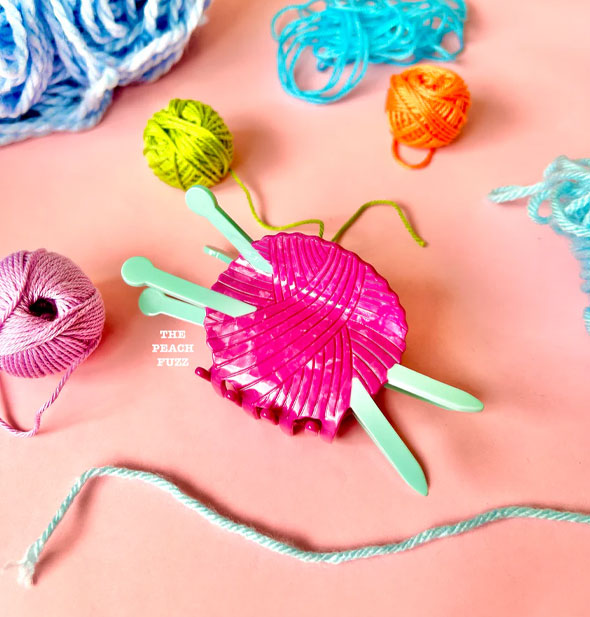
45,308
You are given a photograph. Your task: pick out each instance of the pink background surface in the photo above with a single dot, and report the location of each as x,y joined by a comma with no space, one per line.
493,305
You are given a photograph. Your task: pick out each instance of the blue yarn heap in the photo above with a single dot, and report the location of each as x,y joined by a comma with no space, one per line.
566,188
60,60
361,32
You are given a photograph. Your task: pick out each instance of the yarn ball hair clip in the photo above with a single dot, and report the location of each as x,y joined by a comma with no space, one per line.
301,331
345,36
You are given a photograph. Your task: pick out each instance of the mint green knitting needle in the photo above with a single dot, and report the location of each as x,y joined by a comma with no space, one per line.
202,201
139,271
385,437
153,302
425,388
218,254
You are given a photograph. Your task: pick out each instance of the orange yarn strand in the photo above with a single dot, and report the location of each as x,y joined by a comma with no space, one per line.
427,108
398,158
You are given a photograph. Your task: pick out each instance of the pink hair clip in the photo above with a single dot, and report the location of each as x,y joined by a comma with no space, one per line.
302,332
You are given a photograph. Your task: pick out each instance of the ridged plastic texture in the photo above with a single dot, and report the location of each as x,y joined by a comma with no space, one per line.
323,317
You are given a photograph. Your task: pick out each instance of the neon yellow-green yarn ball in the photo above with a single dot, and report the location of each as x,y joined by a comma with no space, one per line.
188,143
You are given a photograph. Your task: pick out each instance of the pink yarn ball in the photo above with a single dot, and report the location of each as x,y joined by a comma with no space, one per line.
51,317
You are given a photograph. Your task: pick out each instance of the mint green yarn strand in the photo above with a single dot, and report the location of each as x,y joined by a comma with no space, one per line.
28,564
317,222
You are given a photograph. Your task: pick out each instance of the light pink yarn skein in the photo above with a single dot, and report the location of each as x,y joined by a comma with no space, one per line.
51,320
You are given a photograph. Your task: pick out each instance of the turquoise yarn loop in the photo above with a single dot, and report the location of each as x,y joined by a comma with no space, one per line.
60,60
348,35
27,565
566,188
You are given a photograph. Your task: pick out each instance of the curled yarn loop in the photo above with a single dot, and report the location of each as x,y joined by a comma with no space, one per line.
566,189
345,36
51,320
427,108
60,60
188,143
27,565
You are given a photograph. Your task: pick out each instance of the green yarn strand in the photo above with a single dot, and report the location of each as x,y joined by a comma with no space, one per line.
379,202
320,223
188,143
28,563
265,225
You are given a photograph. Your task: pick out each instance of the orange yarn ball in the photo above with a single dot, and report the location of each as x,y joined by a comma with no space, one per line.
427,107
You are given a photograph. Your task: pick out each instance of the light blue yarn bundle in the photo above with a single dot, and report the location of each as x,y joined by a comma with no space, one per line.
60,60
27,564
348,35
566,188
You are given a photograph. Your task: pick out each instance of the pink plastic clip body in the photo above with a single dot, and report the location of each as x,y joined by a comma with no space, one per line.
323,317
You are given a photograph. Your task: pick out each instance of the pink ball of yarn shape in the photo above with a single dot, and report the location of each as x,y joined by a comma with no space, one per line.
51,319
323,317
